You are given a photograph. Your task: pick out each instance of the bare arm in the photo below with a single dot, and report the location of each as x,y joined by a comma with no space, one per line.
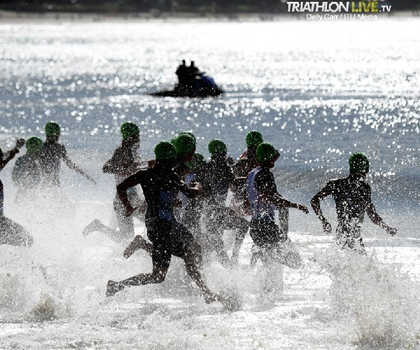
11,154
316,206
268,192
122,188
377,220
122,164
281,202
128,170
72,165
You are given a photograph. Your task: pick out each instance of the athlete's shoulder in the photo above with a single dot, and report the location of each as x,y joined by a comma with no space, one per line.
119,151
263,174
336,182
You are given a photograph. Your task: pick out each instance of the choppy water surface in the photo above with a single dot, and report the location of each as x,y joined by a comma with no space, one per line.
316,90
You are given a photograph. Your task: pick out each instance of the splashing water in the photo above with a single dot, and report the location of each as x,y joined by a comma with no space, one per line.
379,301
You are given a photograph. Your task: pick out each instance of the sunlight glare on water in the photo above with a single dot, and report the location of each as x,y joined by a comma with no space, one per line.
317,90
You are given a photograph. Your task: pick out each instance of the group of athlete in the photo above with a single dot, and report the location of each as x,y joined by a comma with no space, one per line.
185,207
36,171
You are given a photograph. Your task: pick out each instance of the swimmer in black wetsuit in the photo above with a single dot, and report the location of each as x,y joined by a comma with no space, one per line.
272,242
124,162
217,180
26,172
11,232
160,186
184,144
352,196
52,154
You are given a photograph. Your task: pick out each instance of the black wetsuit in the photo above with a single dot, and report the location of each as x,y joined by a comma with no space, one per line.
216,183
271,240
52,154
352,198
264,230
11,233
160,187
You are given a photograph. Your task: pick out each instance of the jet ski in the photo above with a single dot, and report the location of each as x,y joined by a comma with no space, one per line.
202,86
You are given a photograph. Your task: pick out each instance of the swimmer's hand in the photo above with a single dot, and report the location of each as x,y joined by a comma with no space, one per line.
391,230
20,143
326,226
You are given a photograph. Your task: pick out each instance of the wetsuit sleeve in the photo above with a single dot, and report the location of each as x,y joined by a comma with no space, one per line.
8,157
133,180
371,209
327,190
266,186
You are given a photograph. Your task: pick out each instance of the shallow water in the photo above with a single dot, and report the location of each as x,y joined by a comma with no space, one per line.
318,91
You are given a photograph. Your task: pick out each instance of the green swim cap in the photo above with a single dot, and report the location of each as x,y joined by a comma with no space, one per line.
189,134
165,151
184,144
358,163
52,129
266,152
253,139
129,130
217,146
33,145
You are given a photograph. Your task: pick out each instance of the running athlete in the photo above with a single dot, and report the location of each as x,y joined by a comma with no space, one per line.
124,162
160,186
352,196
217,180
184,144
26,172
272,242
52,154
11,232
